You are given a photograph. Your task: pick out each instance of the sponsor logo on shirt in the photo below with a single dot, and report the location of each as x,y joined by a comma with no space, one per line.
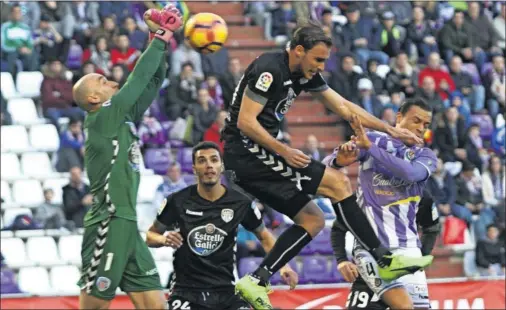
285,104
206,239
196,213
264,81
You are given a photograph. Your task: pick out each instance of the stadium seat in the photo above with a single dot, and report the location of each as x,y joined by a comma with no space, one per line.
184,158
276,278
11,213
315,270
248,265
163,253
336,275
28,83
74,58
146,214
7,86
13,250
63,279
14,139
23,111
147,187
27,193
190,179
321,243
70,249
158,159
486,125
36,165
44,137
164,270
56,185
42,251
5,192
34,280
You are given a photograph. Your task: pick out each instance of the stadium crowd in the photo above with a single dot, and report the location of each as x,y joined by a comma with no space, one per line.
451,53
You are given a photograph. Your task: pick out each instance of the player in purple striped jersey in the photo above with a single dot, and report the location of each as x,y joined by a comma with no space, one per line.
392,178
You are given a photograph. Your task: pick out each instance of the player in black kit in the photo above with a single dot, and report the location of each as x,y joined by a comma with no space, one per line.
202,222
284,177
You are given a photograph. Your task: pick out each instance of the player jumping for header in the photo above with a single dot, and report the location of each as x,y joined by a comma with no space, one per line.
113,252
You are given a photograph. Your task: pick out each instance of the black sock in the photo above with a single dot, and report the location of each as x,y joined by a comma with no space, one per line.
356,222
288,245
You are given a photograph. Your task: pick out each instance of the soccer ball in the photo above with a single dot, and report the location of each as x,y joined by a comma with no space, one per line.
206,32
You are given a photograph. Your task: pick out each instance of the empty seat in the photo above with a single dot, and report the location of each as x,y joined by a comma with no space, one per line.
158,159
23,111
42,251
147,187
11,213
13,250
70,249
44,137
28,83
56,185
27,193
315,270
34,280
164,270
14,138
5,192
7,86
276,278
184,158
321,243
248,265
36,165
64,279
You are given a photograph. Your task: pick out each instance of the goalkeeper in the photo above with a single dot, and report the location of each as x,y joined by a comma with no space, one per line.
113,252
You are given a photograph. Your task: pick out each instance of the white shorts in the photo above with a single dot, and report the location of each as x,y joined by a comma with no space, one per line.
415,284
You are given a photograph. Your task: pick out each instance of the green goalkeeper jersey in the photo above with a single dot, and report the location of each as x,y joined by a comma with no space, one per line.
112,154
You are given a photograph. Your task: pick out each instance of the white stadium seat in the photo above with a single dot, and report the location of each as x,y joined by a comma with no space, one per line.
23,111
13,249
11,169
34,280
7,86
164,270
64,279
27,193
56,185
42,251
28,83
5,192
14,139
163,253
11,213
70,249
44,137
147,187
36,165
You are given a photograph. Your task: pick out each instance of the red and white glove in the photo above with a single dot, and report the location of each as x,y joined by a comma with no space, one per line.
162,24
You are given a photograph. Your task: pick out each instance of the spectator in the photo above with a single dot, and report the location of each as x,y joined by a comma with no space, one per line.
5,116
119,74
283,22
429,94
213,134
366,98
377,82
402,77
312,148
77,199
392,37
172,182
56,93
500,28
360,33
17,43
99,55
431,11
422,35
118,11
8,282
457,100
87,68
49,214
495,86
396,99
444,82
248,244
108,30
215,63
61,18
402,10
46,40
345,80
214,88
30,11
138,38
204,113
490,254
151,133
86,19
475,151
441,185
183,92
123,54
449,136
456,39
71,152
498,136
388,116
230,80
474,96
494,185
183,54
484,38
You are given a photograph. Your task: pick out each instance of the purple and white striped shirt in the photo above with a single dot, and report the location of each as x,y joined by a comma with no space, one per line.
392,177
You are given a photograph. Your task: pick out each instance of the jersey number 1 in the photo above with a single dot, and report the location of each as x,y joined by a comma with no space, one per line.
108,261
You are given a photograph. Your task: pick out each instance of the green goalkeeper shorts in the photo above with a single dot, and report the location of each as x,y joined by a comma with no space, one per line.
114,255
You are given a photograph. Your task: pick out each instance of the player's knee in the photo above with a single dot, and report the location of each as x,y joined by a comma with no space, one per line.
91,302
311,218
402,305
335,185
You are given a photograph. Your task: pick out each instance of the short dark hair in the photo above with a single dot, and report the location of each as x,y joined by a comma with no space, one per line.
205,145
310,35
419,102
491,226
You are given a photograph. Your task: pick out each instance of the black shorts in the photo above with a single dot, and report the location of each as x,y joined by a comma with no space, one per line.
201,300
362,297
268,177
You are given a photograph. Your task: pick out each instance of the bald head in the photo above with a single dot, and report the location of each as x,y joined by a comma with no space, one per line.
92,90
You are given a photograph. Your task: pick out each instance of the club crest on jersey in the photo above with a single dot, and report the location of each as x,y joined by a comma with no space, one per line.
227,215
134,156
103,283
264,81
409,155
205,240
285,104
